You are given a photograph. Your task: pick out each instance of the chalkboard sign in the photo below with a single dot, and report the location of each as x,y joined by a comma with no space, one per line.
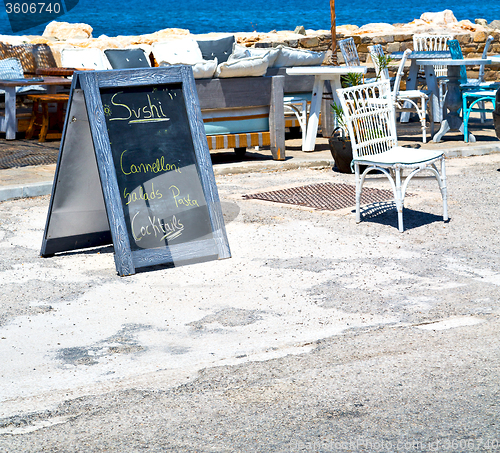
144,144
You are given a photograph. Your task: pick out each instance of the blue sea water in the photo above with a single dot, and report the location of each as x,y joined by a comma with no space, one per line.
133,17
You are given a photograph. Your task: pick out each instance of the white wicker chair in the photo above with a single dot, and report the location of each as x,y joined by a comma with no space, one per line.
371,123
350,54
426,41
413,100
376,53
408,100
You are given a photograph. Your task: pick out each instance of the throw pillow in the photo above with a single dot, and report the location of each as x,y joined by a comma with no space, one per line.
245,67
298,57
219,48
177,51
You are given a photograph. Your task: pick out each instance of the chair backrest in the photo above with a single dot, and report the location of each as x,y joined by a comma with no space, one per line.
377,53
370,118
427,41
31,56
456,54
349,52
11,68
399,74
489,40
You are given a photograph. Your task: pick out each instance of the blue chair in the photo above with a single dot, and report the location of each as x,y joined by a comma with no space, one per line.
475,93
474,101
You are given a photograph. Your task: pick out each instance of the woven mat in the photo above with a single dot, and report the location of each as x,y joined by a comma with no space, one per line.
324,196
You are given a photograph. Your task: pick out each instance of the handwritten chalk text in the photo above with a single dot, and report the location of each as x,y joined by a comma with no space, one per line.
156,166
148,113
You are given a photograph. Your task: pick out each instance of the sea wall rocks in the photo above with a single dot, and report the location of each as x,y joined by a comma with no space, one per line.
392,37
399,37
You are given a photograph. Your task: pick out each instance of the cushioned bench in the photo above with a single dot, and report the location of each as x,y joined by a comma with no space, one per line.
243,112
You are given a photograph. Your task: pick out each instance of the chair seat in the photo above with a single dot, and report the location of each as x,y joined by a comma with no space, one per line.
413,94
403,156
480,93
475,84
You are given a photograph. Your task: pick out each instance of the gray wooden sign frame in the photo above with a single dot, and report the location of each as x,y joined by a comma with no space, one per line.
85,208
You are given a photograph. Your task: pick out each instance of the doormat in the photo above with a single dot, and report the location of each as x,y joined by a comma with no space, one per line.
324,196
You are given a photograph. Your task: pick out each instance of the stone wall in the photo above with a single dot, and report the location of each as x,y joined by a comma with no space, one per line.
472,44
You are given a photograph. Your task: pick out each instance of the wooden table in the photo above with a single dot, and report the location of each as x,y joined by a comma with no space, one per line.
452,120
8,123
321,74
58,72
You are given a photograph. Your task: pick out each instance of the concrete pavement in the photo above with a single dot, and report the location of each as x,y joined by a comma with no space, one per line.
317,335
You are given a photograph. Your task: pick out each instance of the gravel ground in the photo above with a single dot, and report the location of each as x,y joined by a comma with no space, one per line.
317,335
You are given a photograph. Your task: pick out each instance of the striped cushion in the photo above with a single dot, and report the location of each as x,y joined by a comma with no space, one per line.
236,121
239,140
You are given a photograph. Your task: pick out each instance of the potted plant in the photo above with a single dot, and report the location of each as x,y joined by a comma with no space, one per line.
340,145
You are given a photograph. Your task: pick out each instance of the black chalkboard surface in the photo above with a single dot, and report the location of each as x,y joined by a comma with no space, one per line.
153,165
156,167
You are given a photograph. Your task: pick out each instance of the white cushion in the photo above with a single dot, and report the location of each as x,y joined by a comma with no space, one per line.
240,52
201,70
89,58
245,67
178,51
205,69
298,57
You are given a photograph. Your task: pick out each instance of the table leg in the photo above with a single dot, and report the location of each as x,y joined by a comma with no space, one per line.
312,124
411,84
10,113
452,105
432,86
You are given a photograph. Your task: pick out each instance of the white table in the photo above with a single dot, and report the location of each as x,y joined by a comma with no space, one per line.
453,99
321,73
411,81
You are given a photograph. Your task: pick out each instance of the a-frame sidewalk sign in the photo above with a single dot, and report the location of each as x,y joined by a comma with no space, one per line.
134,170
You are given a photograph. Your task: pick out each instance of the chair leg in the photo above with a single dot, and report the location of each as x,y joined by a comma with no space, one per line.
430,107
399,200
34,115
483,114
423,118
45,122
444,191
465,118
358,192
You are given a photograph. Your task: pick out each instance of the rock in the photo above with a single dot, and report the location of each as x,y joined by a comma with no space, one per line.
376,28
64,30
309,42
495,24
14,40
346,29
300,30
482,22
480,36
468,25
41,40
445,17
